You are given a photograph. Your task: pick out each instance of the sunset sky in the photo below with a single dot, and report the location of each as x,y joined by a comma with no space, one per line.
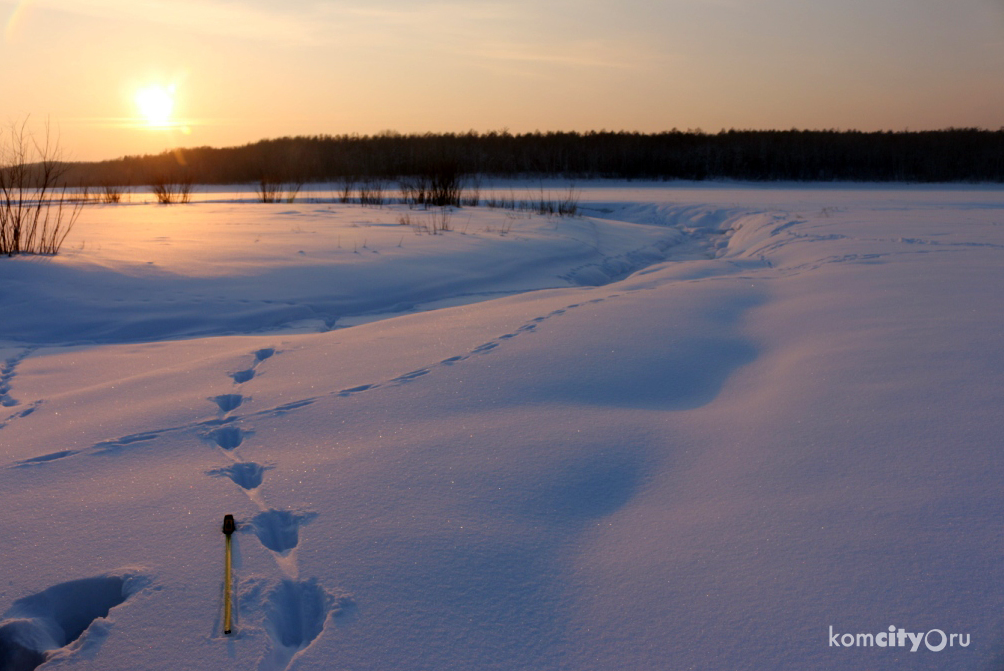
122,77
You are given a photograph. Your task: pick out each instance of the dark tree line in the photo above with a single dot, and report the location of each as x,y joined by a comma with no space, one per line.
952,155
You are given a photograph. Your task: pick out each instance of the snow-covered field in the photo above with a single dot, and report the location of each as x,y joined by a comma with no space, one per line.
700,427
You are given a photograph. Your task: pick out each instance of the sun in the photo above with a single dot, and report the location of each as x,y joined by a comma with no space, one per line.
156,104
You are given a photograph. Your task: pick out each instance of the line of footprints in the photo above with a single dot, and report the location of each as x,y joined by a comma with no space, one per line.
295,610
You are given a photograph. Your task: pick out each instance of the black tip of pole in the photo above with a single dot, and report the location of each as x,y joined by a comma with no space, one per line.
226,631
228,528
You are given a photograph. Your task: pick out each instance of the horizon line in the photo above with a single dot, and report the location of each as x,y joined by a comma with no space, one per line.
505,132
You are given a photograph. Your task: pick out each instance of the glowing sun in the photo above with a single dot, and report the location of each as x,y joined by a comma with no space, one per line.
155,104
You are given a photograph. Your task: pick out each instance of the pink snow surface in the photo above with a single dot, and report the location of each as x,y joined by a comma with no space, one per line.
698,427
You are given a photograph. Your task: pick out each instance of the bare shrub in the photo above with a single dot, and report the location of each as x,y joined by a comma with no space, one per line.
345,188
445,185
292,190
473,196
500,202
371,193
435,222
268,190
185,185
163,191
440,185
415,190
169,191
502,230
110,193
36,213
273,190
441,220
496,201
569,205
543,203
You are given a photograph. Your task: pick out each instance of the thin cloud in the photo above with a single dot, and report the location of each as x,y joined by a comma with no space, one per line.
484,32
228,19
578,54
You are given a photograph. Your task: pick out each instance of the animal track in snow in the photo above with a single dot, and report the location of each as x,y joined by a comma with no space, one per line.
242,376
286,407
106,447
37,626
355,390
528,327
295,615
246,474
226,434
118,443
227,402
246,375
46,457
227,437
231,437
295,612
7,373
279,530
411,376
19,414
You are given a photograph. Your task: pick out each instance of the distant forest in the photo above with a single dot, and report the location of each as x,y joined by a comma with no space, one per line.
952,155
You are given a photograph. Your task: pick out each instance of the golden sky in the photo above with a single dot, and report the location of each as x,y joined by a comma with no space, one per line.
120,77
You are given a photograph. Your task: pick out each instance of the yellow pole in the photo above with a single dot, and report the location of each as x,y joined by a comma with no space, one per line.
228,528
